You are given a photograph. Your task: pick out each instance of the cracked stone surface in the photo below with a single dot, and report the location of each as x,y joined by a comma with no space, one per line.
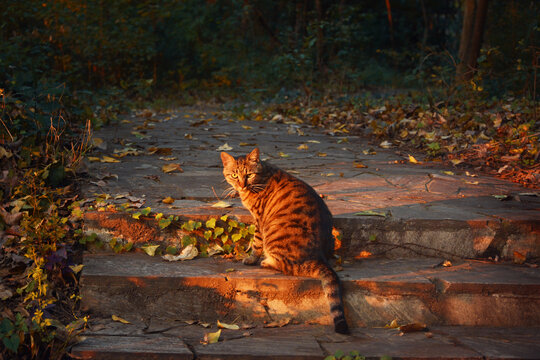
166,339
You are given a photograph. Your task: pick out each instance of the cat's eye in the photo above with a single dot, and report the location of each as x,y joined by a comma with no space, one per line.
234,176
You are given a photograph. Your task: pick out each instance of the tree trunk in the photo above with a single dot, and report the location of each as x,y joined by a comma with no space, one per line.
472,32
320,36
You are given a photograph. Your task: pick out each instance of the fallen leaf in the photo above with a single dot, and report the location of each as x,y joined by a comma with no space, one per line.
448,173
211,338
371,213
283,155
369,152
76,268
303,147
140,135
359,165
447,263
247,144
224,147
363,254
159,151
279,323
93,158
501,197
322,154
222,204
519,258
150,249
412,159
119,319
314,141
188,253
392,325
414,327
5,293
214,249
456,161
386,144
221,325
168,200
108,159
247,127
169,168
472,182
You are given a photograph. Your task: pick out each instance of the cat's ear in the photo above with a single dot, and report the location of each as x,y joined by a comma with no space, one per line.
253,156
227,159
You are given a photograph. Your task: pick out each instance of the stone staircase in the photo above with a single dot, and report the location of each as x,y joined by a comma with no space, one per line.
445,253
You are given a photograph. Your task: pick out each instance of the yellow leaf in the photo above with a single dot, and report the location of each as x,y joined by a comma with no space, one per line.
97,141
392,325
412,327
359,165
447,263
247,127
76,268
222,204
93,159
108,159
119,319
303,147
168,158
188,136
169,168
247,144
224,147
472,182
150,249
448,173
314,141
168,200
221,325
412,159
283,155
211,338
456,161
321,154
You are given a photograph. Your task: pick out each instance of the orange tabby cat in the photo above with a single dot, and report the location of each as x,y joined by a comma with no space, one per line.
294,225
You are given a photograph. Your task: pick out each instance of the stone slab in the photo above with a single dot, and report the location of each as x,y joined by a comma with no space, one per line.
376,291
304,342
435,210
132,347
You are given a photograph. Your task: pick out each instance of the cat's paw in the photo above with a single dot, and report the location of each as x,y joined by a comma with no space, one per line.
251,260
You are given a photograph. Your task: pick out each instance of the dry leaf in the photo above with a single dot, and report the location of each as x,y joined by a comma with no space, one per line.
247,144
188,253
414,327
412,159
519,258
221,325
119,319
222,204
448,173
321,154
93,158
456,161
247,127
359,165
168,200
386,144
224,147
160,151
169,168
303,147
447,263
211,338
392,325
279,323
150,249
108,159
283,155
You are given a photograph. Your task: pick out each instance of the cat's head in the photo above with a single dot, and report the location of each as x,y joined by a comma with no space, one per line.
244,173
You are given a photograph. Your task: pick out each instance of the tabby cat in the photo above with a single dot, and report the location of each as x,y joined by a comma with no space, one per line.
294,225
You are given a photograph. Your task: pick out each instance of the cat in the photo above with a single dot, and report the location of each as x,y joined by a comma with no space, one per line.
294,225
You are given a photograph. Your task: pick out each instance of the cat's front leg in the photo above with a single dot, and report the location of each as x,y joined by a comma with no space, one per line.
257,249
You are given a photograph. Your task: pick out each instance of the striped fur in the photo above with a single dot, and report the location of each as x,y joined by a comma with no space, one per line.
294,225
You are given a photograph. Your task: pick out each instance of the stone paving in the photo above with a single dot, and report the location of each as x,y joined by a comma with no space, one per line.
178,340
416,215
438,209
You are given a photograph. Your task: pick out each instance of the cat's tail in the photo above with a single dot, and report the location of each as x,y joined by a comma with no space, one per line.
332,288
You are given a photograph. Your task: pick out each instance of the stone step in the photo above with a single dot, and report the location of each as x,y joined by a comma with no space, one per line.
471,293
392,236
173,340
